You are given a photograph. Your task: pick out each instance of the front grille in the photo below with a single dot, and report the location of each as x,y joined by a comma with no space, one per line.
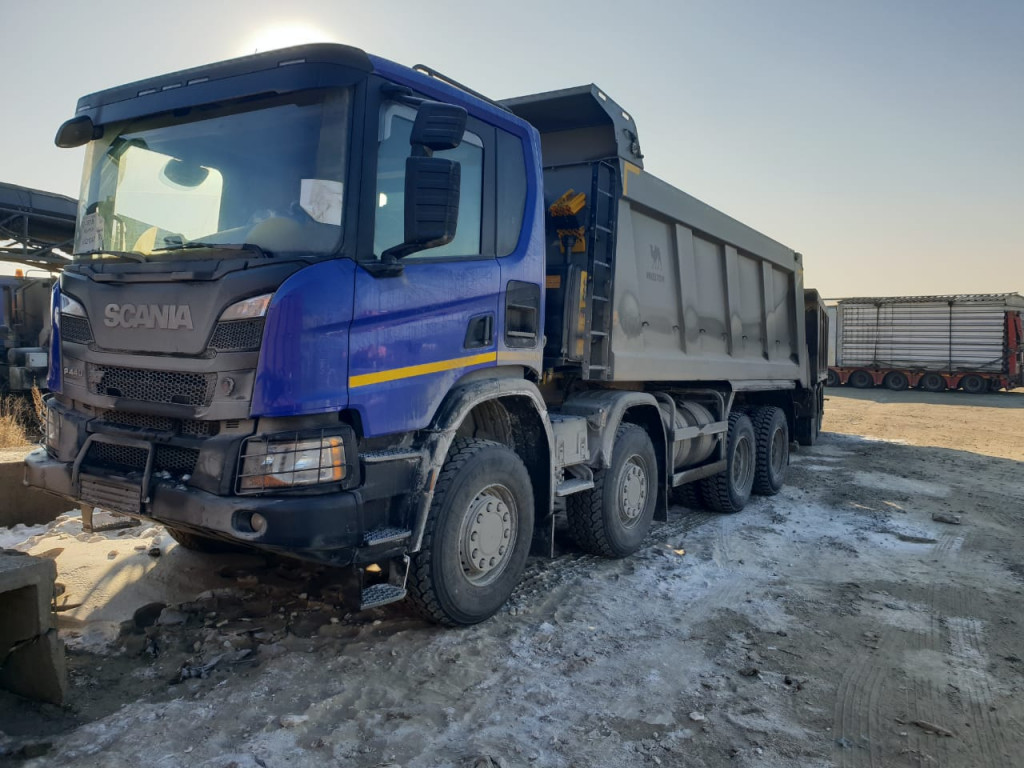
152,386
140,421
194,428
120,457
187,427
75,329
127,458
238,335
170,458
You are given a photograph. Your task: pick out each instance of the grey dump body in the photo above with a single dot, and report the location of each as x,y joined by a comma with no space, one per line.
930,333
664,288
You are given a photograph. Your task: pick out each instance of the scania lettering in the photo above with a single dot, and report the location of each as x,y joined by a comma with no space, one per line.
167,316
421,327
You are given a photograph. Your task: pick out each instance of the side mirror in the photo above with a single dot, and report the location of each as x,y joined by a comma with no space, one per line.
432,186
438,127
76,132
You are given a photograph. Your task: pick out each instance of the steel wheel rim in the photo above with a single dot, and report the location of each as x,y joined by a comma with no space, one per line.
632,491
778,452
742,464
487,536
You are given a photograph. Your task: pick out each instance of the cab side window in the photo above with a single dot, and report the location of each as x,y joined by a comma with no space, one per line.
393,149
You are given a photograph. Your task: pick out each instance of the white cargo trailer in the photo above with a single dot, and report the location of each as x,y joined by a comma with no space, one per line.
972,342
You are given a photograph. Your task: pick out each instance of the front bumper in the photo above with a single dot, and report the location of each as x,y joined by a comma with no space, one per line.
326,528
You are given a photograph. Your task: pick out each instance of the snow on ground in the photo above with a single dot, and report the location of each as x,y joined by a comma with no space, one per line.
815,628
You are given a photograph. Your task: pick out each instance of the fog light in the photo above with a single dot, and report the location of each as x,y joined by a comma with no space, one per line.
258,522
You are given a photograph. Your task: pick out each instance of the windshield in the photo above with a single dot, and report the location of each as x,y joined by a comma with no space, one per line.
266,175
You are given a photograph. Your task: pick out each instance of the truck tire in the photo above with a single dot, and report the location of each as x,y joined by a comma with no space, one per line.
861,380
477,535
613,518
973,384
729,491
206,544
896,381
687,495
933,382
772,433
832,380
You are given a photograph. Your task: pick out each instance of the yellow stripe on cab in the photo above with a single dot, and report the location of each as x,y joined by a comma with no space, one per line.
366,379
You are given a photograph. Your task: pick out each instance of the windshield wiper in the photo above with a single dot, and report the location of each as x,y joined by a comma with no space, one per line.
252,247
117,255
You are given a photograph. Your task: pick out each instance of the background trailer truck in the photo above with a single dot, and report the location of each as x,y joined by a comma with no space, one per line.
32,224
328,306
969,342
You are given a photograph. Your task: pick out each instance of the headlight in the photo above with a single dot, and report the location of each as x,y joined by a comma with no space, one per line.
248,308
271,464
69,306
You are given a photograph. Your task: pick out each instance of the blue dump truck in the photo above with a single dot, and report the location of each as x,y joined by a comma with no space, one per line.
331,307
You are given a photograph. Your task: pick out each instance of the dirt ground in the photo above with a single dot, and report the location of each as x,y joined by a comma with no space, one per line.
836,624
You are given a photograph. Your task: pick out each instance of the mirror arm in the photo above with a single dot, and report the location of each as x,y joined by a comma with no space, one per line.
401,94
389,264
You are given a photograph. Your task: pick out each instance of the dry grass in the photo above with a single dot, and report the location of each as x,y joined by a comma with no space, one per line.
20,419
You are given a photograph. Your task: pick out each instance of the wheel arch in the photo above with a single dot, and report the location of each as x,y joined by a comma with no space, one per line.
605,410
507,410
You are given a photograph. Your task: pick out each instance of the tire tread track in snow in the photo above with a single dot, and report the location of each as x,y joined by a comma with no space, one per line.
553,577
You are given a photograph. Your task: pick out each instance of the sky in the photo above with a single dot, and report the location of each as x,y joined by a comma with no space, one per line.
883,139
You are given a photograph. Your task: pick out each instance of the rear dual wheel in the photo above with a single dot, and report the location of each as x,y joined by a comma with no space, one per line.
973,384
613,518
932,382
729,491
771,431
860,380
896,380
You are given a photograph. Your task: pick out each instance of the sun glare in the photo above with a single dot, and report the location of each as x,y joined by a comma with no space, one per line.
284,35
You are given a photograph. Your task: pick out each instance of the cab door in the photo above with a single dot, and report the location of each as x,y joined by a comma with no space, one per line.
416,333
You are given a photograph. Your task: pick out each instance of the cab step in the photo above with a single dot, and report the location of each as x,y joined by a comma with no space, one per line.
380,594
385,537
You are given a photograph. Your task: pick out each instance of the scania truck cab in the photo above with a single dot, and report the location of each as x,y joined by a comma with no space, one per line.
248,345
306,314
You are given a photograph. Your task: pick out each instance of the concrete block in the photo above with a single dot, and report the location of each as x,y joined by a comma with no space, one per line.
36,669
22,504
31,654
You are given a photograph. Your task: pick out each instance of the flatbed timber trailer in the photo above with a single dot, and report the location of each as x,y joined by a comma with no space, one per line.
332,307
972,342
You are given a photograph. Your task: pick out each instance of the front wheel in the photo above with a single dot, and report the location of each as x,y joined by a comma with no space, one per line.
477,536
730,491
612,518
